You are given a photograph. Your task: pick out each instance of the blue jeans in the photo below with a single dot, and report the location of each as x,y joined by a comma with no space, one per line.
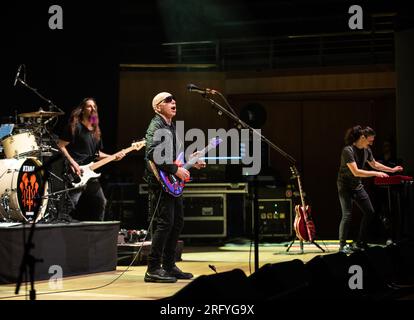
347,197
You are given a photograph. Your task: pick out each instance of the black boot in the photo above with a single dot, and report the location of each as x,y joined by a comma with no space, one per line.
346,248
174,271
159,275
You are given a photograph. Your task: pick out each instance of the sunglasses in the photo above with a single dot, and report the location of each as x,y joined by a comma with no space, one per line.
167,100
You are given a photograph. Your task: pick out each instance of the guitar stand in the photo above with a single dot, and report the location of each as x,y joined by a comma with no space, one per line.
301,245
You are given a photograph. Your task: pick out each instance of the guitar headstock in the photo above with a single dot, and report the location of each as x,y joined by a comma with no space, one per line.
295,172
138,145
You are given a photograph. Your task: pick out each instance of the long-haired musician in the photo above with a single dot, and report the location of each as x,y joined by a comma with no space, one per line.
81,143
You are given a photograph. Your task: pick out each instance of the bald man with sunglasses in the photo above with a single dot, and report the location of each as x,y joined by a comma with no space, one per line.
165,209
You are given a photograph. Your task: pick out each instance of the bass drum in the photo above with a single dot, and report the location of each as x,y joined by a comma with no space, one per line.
22,190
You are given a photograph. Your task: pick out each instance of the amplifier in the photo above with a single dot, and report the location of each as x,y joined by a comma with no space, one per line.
275,217
212,210
204,216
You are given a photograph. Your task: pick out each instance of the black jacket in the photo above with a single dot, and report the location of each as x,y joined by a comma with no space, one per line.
160,128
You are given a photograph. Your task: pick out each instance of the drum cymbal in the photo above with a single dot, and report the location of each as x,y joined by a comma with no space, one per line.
40,114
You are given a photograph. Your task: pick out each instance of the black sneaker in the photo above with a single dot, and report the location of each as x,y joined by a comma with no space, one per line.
159,275
347,249
177,273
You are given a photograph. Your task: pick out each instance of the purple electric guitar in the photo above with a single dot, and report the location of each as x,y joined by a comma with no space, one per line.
171,183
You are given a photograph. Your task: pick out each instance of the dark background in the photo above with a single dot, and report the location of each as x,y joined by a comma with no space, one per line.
100,42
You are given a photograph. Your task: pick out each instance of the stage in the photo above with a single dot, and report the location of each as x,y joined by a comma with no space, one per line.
66,249
130,284
284,269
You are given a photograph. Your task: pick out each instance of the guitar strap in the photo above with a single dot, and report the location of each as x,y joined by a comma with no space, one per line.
154,170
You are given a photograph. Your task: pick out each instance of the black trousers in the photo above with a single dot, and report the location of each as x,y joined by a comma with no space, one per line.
166,228
87,203
347,198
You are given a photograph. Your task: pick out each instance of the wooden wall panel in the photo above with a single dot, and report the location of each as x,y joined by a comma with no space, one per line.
311,83
135,111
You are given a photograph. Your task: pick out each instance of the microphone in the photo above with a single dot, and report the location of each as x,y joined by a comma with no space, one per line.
212,267
194,88
17,75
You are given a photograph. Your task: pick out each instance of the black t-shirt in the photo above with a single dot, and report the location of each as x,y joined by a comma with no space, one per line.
82,146
360,157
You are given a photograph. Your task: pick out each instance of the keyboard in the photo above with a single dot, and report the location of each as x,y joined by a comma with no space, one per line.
392,180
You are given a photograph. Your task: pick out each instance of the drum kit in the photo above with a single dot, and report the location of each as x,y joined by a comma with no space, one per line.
24,186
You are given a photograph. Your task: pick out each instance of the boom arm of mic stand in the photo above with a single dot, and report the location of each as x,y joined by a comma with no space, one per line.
51,195
254,187
39,95
246,126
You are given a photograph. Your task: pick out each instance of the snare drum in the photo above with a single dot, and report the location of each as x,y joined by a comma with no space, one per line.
20,145
22,186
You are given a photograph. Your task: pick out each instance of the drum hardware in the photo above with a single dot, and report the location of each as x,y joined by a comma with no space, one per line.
4,202
48,101
45,151
53,112
61,196
24,179
41,114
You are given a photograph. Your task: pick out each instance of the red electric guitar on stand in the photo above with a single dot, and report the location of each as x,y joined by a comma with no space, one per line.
304,227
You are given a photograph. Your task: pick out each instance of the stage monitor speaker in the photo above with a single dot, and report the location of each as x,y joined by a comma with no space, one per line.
225,286
329,274
280,280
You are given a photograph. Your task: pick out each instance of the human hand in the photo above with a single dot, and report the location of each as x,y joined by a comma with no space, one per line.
182,173
119,155
380,174
76,168
200,163
397,169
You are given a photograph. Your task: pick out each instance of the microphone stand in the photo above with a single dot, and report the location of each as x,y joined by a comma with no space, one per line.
39,95
29,262
254,194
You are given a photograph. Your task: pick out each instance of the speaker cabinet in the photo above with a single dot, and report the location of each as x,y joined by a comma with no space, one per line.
204,216
275,217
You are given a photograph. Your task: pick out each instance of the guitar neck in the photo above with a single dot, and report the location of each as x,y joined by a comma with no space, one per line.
302,199
190,163
111,158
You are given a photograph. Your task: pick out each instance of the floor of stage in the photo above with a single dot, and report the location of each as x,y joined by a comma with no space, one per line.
130,285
